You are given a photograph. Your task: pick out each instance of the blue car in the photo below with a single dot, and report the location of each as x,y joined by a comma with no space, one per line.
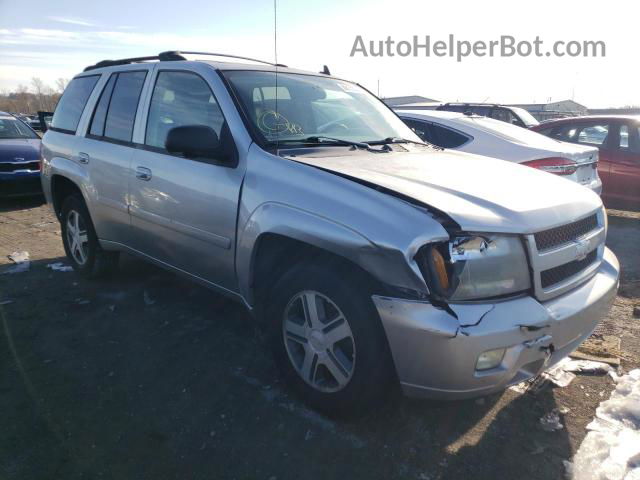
19,158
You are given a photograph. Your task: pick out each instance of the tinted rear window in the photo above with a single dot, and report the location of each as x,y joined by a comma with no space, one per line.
123,106
100,113
72,103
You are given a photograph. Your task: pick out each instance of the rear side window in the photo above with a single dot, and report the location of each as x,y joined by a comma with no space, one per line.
100,114
448,138
72,103
123,106
421,129
545,131
179,99
437,134
629,139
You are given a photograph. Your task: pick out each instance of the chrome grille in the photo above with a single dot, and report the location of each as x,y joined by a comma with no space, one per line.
561,258
564,234
560,273
10,167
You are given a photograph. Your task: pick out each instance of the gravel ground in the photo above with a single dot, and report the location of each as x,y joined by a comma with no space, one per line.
99,379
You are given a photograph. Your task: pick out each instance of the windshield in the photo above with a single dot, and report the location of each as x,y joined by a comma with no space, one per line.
13,128
300,107
528,119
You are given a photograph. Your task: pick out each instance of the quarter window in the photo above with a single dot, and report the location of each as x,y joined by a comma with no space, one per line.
179,99
69,109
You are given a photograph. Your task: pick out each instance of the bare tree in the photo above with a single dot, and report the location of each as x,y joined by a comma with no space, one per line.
61,84
30,100
39,89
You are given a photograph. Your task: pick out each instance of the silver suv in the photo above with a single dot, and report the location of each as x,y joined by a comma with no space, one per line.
370,259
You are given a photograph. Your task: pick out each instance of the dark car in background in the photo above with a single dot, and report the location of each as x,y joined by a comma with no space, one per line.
19,158
513,115
618,138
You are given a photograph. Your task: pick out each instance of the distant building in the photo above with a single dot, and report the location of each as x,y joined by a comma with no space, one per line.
408,100
615,111
546,111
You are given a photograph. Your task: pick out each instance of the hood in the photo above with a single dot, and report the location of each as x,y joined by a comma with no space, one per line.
479,193
12,148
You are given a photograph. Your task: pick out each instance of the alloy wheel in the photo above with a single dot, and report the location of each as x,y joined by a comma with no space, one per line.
77,238
319,341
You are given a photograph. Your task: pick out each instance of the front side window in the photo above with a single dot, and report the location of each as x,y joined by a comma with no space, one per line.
70,107
11,127
294,107
180,99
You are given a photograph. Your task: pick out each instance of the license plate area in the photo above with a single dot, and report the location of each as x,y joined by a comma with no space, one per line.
585,174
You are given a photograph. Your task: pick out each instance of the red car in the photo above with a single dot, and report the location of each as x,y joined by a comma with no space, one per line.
618,138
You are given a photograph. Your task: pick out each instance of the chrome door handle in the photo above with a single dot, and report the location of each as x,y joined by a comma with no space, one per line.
143,173
83,157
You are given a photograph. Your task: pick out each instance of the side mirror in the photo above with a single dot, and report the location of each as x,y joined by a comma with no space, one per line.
194,141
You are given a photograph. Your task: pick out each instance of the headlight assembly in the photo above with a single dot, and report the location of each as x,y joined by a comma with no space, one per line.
475,266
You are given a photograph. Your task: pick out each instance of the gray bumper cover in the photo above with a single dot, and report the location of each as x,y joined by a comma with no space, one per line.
435,353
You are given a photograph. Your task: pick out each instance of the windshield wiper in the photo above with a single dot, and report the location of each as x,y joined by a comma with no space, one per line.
321,140
398,140
389,140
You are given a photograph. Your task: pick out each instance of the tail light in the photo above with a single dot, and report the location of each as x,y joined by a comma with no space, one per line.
557,165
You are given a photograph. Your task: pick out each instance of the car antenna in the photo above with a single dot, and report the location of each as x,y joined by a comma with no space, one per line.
275,55
325,71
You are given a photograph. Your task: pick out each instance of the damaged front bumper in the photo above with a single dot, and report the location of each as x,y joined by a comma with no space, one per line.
435,353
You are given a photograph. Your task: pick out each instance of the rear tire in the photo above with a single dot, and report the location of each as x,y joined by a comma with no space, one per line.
327,339
81,242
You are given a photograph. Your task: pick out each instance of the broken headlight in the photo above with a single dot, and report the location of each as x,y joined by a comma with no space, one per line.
477,266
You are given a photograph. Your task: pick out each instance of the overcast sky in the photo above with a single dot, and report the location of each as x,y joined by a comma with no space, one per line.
52,39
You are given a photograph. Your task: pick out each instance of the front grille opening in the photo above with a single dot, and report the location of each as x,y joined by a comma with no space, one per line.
564,234
562,272
12,167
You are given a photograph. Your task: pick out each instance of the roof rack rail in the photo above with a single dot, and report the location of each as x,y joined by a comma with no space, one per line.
225,55
164,56
172,55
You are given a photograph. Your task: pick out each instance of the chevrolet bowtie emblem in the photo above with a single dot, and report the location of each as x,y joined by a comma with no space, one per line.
582,249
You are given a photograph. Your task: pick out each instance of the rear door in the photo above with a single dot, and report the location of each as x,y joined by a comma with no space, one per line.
624,174
184,211
107,151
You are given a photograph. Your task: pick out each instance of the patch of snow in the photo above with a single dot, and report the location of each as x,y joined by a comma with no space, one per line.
60,267
21,260
611,449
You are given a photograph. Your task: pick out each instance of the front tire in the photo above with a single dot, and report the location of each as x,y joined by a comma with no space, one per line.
80,241
327,339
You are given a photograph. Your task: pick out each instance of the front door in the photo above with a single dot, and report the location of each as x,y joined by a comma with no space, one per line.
183,211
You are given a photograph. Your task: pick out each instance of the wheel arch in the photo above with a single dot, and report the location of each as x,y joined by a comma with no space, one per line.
276,235
61,188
